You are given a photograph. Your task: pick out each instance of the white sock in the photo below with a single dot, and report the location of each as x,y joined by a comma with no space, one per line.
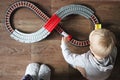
44,72
33,69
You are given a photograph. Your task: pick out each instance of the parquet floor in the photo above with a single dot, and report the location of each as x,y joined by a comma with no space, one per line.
15,56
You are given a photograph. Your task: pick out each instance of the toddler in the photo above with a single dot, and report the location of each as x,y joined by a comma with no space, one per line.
98,62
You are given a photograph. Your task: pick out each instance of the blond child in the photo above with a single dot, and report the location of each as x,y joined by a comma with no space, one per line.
98,62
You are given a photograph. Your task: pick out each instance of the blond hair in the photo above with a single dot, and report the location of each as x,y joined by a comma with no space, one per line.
102,42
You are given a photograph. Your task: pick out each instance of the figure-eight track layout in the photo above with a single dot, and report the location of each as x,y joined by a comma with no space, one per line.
51,23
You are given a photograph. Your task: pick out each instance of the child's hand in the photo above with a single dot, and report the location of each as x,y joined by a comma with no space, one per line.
64,39
64,42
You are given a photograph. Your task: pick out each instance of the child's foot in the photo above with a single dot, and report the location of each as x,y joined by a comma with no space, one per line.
32,70
44,72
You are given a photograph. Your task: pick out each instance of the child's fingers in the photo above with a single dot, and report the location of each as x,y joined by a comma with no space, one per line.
65,39
62,38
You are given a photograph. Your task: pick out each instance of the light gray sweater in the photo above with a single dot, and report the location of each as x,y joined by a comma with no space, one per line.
95,69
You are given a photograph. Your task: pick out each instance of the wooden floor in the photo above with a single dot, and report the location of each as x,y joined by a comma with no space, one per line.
15,56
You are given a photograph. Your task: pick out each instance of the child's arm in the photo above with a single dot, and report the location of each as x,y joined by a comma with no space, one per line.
75,60
71,58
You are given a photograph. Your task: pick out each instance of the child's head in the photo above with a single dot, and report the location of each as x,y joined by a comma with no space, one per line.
102,42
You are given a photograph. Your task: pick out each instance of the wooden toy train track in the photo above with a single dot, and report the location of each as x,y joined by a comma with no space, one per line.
51,23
